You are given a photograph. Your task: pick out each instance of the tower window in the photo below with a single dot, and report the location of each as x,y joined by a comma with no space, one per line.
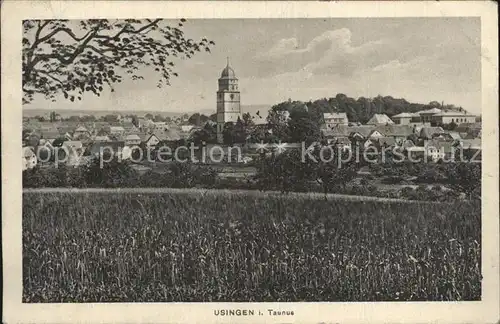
232,96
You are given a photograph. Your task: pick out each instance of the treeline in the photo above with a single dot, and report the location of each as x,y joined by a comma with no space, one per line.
362,109
284,172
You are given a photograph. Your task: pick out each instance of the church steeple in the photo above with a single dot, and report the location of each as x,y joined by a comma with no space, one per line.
228,100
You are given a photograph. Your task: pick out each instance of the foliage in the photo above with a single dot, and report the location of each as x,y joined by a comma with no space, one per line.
109,174
72,57
197,246
198,119
361,109
466,178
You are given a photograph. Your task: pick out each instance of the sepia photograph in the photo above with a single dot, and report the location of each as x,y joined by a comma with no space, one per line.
236,161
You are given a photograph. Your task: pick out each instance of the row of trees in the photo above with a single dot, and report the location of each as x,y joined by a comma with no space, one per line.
116,174
362,108
286,172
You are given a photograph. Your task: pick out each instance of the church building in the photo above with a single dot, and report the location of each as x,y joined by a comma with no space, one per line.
228,100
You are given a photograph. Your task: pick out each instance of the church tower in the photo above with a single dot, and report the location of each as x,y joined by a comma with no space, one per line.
228,100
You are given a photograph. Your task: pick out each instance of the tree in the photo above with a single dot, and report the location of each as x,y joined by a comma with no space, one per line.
278,126
110,118
195,119
135,121
207,134
158,118
465,177
228,133
333,171
114,173
58,142
70,57
247,120
302,128
149,116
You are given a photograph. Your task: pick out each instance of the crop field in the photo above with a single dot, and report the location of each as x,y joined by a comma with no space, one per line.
185,247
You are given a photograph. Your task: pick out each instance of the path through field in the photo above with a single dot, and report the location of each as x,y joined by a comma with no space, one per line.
254,193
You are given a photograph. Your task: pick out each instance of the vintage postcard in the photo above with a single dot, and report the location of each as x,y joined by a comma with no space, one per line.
250,162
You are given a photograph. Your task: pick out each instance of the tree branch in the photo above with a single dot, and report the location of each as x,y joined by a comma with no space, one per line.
68,31
129,31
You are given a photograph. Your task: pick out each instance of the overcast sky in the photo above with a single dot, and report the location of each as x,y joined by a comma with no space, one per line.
420,59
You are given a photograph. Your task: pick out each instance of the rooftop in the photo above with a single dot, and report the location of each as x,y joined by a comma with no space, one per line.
228,72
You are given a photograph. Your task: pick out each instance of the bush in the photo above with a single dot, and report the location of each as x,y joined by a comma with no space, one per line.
392,180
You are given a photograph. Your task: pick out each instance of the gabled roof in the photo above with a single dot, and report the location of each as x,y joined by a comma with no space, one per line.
132,137
388,141
81,129
101,138
454,113
363,130
115,146
117,128
337,131
403,115
471,143
430,111
73,144
374,132
334,115
380,119
395,130
28,152
427,132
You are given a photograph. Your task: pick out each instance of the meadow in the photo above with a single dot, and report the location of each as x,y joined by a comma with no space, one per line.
190,247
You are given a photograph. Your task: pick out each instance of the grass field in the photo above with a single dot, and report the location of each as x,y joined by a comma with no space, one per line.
184,246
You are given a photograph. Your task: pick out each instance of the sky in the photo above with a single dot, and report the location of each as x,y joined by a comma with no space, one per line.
419,59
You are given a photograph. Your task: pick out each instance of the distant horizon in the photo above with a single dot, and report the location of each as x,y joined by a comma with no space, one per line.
419,59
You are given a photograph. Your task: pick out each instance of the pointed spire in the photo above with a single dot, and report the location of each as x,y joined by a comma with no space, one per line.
227,60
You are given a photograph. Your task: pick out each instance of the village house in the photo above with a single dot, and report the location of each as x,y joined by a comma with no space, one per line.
428,132
402,119
360,133
80,132
186,128
416,152
132,139
130,128
151,140
426,115
334,119
456,117
436,150
398,132
380,119
116,130
29,159
113,147
447,136
101,138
